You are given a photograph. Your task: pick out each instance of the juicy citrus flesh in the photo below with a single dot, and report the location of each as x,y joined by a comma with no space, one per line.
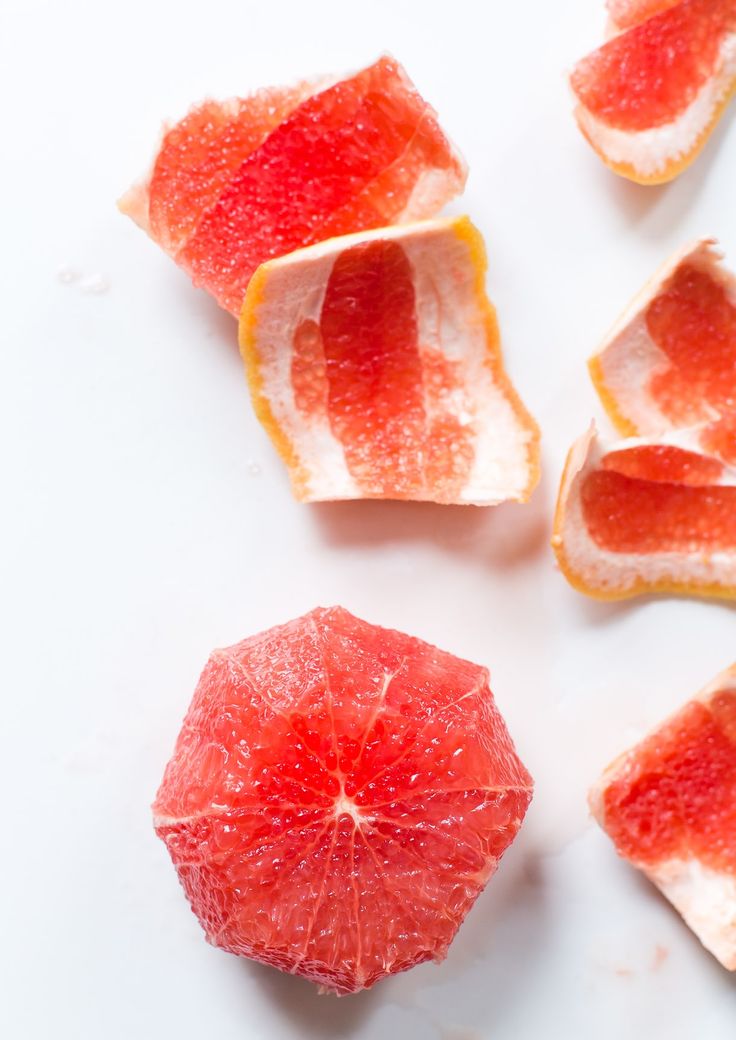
693,322
238,184
338,797
201,153
664,464
676,797
646,76
379,387
626,515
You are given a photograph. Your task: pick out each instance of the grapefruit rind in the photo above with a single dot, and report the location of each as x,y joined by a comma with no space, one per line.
623,366
658,154
704,897
415,182
449,257
606,575
341,885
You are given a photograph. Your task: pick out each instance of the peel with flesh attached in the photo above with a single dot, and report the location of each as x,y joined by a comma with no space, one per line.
374,363
670,359
650,97
235,183
643,516
669,806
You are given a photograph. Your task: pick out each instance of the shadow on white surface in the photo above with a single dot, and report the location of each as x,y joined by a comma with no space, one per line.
662,207
315,1015
594,612
501,536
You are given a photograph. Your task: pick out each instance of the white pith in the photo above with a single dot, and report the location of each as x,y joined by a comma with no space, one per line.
629,357
616,573
705,898
650,151
451,320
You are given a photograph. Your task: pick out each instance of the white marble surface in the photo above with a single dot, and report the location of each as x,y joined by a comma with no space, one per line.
146,520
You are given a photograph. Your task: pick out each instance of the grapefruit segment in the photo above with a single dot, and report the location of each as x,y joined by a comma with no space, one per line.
625,13
237,183
338,797
670,359
648,99
669,806
374,364
640,516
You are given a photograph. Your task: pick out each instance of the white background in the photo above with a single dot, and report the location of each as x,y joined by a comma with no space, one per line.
137,534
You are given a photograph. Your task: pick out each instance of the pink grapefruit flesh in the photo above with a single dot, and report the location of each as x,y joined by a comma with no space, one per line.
338,797
240,182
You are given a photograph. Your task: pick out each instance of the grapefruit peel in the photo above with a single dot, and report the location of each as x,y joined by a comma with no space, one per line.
660,775
646,505
470,438
657,151
630,366
232,186
338,797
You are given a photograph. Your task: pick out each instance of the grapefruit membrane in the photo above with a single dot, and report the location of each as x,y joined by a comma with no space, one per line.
669,806
649,98
338,797
643,516
238,182
374,363
670,360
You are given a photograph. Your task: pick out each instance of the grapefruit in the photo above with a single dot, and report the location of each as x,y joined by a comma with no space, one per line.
236,183
374,364
338,797
625,13
647,516
669,806
671,358
648,99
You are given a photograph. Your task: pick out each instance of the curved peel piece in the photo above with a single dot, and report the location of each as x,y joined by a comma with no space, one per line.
649,98
236,183
669,806
374,363
644,516
670,359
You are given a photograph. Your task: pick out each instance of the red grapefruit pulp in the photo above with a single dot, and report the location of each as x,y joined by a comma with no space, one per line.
338,797
237,183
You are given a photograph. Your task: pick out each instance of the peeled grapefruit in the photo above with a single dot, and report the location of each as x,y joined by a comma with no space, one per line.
238,182
648,99
338,797
669,806
671,358
647,516
375,365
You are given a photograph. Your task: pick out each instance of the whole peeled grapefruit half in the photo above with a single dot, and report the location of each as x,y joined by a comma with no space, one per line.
338,797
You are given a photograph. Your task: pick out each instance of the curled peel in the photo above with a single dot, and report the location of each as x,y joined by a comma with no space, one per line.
649,98
374,363
237,182
669,360
669,806
640,516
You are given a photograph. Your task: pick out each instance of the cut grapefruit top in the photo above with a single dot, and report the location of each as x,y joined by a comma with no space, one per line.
338,796
239,182
648,75
374,362
673,796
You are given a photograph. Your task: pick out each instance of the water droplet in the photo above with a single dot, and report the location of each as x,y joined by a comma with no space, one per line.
67,274
252,468
94,284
